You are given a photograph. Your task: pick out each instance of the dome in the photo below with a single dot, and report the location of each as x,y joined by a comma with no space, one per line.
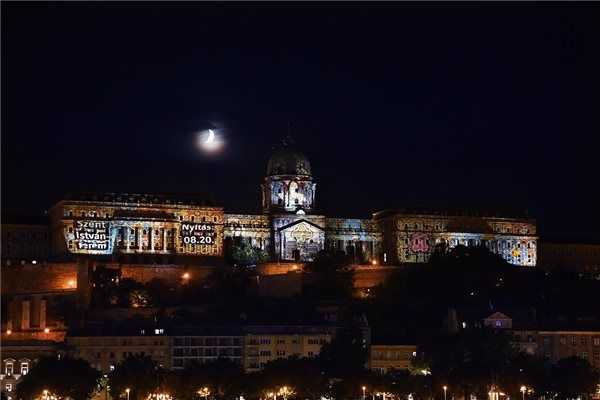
287,161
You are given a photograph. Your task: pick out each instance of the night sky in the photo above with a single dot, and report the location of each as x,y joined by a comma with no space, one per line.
482,105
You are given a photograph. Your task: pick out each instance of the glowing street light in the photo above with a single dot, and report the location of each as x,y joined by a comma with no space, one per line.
204,392
364,388
127,391
285,392
445,390
523,390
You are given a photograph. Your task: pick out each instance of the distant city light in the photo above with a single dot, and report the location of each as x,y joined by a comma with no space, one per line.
186,276
46,330
8,331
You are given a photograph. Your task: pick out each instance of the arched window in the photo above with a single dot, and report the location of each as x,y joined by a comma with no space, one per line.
9,367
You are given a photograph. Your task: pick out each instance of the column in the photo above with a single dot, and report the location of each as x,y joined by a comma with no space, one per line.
126,235
42,313
25,310
164,239
34,312
151,238
138,232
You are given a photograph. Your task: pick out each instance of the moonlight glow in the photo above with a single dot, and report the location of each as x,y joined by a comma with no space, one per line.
210,141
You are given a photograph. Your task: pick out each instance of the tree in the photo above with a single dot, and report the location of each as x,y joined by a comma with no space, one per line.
222,377
104,286
65,377
243,254
573,377
330,276
526,370
311,383
140,374
345,355
470,360
161,293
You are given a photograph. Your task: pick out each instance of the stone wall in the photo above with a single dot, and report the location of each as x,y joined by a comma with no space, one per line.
172,274
39,278
275,268
368,276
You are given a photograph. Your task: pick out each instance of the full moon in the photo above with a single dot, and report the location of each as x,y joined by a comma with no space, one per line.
209,141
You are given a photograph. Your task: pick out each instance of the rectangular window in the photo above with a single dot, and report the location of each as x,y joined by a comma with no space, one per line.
596,341
24,368
563,340
9,387
9,368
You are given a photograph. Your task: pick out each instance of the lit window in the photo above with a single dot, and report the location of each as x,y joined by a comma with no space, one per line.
9,368
24,368
159,331
9,387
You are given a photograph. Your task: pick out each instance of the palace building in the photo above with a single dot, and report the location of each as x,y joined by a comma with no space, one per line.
289,228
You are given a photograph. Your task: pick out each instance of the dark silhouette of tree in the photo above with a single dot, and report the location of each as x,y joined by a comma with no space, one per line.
574,376
104,286
470,360
304,376
222,377
64,377
526,370
140,374
345,355
161,293
329,276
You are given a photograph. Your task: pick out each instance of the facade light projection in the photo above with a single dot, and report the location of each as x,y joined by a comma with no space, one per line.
288,228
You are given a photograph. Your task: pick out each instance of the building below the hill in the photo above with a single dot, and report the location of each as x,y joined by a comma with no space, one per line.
384,358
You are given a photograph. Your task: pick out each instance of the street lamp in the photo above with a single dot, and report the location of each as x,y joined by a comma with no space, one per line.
364,388
204,392
127,392
523,390
284,391
445,390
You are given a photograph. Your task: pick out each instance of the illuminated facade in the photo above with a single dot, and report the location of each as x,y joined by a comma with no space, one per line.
413,236
287,229
133,224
